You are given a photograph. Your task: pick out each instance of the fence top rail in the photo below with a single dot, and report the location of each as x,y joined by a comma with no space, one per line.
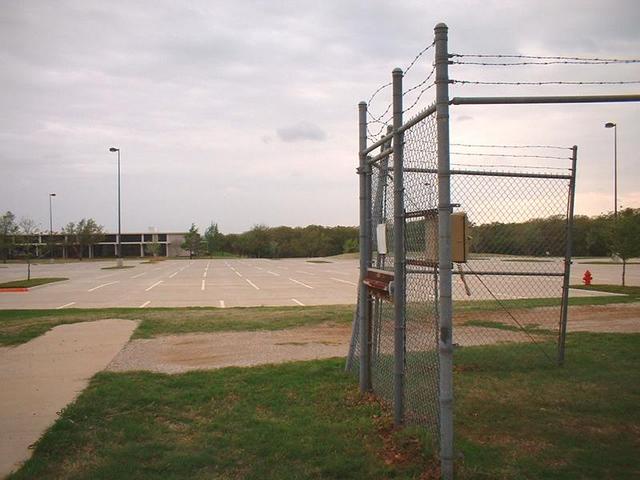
545,99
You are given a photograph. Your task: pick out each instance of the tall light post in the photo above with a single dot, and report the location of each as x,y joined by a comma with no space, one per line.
51,195
119,248
615,166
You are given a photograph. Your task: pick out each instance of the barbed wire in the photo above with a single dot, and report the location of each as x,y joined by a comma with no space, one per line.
551,62
508,146
585,60
553,82
513,155
537,167
386,85
418,97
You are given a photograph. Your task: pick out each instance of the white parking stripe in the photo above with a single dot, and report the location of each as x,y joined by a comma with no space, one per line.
344,281
298,302
145,304
252,284
204,275
202,286
139,275
238,273
273,273
173,274
65,305
100,286
154,285
300,283
222,304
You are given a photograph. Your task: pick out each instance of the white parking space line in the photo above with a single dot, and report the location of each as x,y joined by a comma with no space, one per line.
298,302
154,285
259,268
174,274
238,273
139,275
282,268
300,283
100,286
222,304
344,281
145,304
65,305
202,286
204,275
273,273
252,284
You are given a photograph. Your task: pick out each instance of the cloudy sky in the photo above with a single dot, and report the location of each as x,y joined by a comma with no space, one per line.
245,112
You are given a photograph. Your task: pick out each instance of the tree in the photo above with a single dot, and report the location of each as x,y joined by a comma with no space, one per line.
154,247
192,241
8,231
85,233
625,236
212,239
27,231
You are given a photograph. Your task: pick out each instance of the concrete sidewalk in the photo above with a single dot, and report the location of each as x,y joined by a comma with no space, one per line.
41,377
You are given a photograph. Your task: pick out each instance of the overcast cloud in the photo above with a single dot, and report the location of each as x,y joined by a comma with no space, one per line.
246,112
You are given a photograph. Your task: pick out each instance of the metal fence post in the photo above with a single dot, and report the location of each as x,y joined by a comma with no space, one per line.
398,251
444,253
365,254
567,258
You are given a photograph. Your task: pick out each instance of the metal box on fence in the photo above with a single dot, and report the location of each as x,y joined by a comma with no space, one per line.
460,241
379,283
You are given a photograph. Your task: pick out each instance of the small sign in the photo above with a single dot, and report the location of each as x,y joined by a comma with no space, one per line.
381,238
379,283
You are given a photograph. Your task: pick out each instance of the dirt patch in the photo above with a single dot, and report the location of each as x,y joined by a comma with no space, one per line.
181,353
199,351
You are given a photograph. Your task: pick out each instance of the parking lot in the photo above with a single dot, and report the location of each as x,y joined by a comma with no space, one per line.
254,282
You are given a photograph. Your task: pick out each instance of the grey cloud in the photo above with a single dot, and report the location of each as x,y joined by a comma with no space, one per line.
300,132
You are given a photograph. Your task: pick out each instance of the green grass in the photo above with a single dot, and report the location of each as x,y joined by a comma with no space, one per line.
293,421
118,268
503,326
517,417
34,282
597,262
520,417
19,326
633,291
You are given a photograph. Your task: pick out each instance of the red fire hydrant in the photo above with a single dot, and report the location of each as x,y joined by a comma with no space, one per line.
587,278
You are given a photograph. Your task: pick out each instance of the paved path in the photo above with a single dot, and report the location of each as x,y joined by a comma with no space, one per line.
41,377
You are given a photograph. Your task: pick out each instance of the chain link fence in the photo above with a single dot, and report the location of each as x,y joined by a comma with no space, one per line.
484,227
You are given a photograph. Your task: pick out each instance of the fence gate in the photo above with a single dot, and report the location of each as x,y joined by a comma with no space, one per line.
434,229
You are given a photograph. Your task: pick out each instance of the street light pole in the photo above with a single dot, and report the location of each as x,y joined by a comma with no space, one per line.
51,195
119,264
615,166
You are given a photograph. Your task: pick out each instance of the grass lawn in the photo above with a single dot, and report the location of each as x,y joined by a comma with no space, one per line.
34,282
19,326
627,290
520,419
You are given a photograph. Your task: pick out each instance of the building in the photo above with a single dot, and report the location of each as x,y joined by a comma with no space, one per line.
133,245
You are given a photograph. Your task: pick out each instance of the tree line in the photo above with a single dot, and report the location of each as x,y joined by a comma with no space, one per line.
19,236
273,242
